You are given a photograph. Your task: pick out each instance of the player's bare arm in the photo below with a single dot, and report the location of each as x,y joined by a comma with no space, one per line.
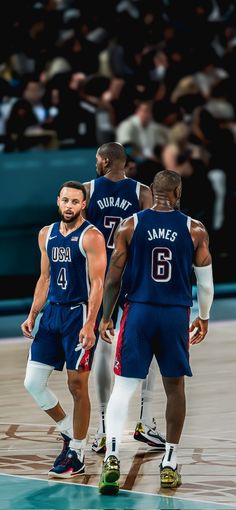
202,256
113,280
42,286
94,246
203,273
146,197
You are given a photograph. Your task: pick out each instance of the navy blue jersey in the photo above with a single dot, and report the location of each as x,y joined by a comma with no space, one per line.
111,202
161,258
69,281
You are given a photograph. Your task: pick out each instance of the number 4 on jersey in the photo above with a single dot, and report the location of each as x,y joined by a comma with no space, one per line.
61,279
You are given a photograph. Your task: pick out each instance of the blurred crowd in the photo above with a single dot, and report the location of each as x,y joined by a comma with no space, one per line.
157,78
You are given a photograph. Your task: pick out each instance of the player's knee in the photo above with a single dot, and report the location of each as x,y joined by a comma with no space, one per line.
31,384
78,389
36,384
44,397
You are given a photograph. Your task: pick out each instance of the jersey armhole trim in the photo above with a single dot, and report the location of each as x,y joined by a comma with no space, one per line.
92,185
81,239
138,190
189,219
48,235
135,216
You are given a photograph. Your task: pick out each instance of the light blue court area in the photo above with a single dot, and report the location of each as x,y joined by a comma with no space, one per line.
19,493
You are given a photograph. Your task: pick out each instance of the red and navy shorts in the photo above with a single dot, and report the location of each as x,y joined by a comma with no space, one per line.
147,330
58,336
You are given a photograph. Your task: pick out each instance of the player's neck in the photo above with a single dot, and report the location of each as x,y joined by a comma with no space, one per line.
67,228
115,175
162,203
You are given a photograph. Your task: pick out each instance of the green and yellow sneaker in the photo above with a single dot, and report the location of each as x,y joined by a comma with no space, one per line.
108,483
170,478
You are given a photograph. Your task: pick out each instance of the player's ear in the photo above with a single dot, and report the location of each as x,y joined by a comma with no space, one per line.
58,199
177,192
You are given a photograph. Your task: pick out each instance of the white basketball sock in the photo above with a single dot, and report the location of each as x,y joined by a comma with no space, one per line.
65,426
170,457
146,411
78,445
103,378
117,412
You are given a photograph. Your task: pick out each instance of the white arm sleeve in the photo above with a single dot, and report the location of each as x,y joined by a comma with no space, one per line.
205,290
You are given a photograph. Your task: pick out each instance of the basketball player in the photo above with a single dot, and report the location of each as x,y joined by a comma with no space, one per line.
163,246
73,263
111,198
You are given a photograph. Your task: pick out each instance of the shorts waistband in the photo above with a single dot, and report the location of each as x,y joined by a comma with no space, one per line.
69,304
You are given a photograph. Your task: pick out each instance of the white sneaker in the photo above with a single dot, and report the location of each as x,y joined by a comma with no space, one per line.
149,435
99,443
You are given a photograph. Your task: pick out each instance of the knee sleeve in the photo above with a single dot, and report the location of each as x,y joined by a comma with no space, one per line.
36,379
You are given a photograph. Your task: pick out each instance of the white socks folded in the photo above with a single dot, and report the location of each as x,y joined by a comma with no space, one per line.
170,457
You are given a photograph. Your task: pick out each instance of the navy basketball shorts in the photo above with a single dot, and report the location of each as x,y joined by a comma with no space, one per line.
147,330
58,336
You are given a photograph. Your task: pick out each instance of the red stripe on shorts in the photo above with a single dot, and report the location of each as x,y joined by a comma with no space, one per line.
85,361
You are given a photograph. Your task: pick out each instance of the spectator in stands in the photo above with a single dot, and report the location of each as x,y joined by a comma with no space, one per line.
131,168
142,130
195,183
148,167
23,130
33,91
95,115
20,118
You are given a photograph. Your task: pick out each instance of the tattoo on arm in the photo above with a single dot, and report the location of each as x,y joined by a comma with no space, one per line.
115,260
205,261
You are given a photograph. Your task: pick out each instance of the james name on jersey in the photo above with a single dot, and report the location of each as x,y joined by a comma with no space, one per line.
161,233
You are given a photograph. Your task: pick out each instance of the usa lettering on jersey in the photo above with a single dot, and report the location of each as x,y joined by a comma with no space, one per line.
61,254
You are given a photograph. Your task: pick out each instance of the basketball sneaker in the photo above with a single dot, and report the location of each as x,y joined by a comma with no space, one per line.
99,443
110,475
69,467
65,448
149,435
170,478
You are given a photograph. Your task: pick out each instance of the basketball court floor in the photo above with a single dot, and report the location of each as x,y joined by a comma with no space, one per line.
29,441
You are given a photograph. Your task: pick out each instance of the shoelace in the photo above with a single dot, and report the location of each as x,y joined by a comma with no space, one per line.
67,459
114,461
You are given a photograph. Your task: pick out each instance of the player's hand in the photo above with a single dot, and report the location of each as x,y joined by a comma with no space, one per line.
27,327
198,330
87,336
106,328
